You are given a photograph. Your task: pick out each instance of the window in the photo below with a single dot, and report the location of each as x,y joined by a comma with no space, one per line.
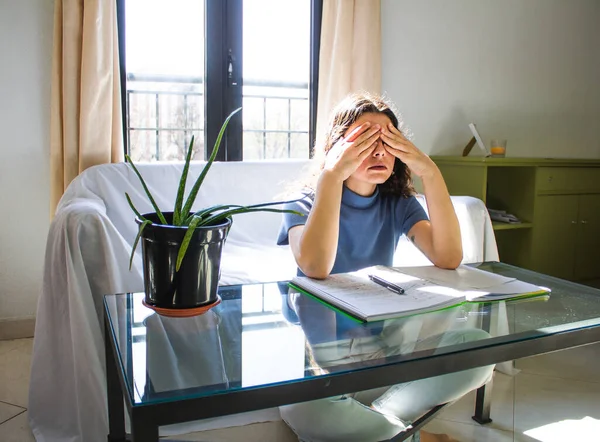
186,64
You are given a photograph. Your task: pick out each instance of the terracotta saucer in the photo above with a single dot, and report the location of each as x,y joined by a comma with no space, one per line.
182,312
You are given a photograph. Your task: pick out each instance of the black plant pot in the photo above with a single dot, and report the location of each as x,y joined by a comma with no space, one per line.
195,284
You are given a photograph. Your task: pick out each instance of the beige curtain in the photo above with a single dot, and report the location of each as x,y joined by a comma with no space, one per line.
350,53
85,122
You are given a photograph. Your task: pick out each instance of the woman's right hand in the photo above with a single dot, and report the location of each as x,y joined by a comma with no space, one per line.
348,153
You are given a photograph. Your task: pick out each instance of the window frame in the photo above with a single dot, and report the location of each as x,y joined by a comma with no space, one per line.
223,94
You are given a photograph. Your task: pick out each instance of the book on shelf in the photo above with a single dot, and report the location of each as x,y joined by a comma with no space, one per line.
503,216
411,290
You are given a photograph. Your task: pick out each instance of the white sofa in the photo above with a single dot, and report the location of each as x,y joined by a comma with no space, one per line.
87,255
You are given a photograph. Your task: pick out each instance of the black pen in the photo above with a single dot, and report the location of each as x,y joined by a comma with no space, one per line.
388,285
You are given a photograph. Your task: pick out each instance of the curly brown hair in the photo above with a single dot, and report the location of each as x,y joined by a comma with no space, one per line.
345,115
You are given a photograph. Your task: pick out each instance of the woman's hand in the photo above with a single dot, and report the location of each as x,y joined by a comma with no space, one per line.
347,154
314,244
439,239
398,145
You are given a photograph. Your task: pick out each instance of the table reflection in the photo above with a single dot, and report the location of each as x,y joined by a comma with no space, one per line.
334,340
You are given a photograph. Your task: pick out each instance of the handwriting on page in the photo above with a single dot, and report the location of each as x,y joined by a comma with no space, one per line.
358,290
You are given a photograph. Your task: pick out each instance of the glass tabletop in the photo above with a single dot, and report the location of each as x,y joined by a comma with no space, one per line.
269,334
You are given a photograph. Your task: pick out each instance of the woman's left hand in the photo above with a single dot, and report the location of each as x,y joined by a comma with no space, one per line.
399,146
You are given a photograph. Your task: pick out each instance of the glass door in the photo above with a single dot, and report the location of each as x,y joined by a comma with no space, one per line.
276,70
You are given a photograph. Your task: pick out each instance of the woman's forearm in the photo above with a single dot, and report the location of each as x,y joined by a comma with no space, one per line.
319,240
445,229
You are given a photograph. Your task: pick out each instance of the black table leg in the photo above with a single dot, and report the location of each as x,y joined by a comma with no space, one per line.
483,404
483,400
116,408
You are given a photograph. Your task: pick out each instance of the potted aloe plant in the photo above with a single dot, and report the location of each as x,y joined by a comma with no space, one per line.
181,250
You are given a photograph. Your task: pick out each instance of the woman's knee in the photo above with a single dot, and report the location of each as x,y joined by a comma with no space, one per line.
462,336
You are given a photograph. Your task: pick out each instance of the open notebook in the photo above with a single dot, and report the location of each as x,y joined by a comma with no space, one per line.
425,289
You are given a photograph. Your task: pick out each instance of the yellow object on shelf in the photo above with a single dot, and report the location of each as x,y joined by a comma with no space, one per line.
498,148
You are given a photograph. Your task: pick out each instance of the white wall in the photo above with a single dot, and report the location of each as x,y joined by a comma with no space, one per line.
25,60
524,70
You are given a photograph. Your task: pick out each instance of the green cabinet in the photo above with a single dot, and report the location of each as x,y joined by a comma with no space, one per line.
558,202
587,256
555,235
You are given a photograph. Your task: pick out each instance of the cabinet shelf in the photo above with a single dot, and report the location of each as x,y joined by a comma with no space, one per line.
496,225
558,200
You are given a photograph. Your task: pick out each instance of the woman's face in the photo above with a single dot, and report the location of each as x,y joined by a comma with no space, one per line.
377,167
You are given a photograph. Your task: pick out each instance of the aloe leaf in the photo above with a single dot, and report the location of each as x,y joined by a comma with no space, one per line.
158,212
177,214
221,215
186,241
275,203
194,192
203,212
137,238
137,213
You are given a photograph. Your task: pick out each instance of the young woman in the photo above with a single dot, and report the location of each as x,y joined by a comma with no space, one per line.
358,206
363,199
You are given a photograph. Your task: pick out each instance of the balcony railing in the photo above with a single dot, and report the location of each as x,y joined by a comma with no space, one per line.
164,111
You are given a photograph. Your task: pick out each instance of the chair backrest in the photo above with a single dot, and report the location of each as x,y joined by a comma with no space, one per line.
478,240
243,183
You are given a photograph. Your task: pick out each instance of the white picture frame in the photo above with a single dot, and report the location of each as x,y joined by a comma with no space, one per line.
480,143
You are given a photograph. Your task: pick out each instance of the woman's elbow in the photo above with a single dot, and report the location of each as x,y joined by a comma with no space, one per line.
315,274
449,261
313,270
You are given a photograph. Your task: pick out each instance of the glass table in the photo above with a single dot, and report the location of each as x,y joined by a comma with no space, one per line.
266,345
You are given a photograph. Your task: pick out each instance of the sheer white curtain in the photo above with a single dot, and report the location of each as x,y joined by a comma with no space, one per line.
350,53
85,123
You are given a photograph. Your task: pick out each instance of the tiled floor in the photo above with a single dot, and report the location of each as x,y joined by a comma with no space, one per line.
555,397
15,358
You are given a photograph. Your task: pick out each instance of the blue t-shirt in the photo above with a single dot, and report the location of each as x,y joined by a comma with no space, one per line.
370,227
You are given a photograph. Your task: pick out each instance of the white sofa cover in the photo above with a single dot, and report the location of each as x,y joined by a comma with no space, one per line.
87,256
